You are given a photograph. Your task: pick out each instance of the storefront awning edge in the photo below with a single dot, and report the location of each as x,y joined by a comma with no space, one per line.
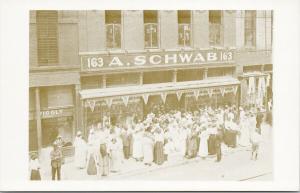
156,88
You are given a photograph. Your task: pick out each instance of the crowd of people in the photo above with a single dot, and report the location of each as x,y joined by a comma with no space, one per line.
159,136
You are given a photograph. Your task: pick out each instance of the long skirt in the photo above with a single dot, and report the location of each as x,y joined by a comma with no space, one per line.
230,138
137,151
159,153
116,160
130,138
80,157
35,175
126,151
92,168
103,160
211,145
192,147
148,153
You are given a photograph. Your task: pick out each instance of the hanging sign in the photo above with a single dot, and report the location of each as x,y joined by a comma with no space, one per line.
210,92
222,90
109,101
125,100
145,97
179,94
163,97
91,104
96,62
196,94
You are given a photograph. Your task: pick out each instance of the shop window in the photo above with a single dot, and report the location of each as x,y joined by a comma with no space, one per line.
113,29
151,29
252,68
92,82
114,80
250,28
184,28
47,24
219,72
215,28
189,75
157,77
55,97
53,127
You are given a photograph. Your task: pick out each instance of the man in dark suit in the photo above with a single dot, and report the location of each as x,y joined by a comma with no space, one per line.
56,159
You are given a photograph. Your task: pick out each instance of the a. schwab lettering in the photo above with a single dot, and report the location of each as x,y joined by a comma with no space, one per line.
104,61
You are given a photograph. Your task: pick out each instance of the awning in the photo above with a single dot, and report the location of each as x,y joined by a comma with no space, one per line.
253,74
153,89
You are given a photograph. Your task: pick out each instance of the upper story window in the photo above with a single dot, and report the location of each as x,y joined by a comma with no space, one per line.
184,28
250,28
215,27
151,29
47,45
113,28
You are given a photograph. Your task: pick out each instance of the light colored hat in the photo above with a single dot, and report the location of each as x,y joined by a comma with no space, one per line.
78,133
92,130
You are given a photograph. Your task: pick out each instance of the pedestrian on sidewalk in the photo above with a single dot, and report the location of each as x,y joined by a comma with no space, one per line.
92,158
34,167
56,161
203,149
104,151
159,146
80,151
116,153
148,143
218,142
255,141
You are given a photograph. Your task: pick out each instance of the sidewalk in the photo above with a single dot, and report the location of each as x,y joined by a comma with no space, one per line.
132,168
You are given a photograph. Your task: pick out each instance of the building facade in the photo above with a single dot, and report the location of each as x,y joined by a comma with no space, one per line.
86,66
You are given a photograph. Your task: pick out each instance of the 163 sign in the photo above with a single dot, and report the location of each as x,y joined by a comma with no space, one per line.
94,62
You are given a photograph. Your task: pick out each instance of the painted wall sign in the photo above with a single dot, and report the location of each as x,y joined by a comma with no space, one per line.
51,113
94,62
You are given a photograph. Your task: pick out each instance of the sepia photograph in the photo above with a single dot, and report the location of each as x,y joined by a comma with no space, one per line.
146,95
150,95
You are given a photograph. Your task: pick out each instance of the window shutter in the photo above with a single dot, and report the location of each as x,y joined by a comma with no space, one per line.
47,23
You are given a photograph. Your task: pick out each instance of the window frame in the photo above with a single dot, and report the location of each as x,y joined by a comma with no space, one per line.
253,28
190,30
121,32
220,29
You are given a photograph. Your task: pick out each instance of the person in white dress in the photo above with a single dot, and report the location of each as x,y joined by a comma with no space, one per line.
244,136
148,147
116,153
203,149
137,150
80,151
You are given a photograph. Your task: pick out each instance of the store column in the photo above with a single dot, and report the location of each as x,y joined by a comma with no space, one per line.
38,119
205,73
174,79
104,81
78,116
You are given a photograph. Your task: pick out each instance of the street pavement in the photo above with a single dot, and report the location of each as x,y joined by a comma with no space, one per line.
235,165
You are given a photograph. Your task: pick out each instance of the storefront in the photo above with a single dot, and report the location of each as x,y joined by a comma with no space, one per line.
52,114
254,86
123,104
127,86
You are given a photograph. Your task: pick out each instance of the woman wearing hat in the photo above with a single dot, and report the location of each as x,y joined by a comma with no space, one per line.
34,167
159,146
92,158
148,144
116,153
80,151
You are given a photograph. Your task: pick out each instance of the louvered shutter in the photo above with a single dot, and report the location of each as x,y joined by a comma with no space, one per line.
47,37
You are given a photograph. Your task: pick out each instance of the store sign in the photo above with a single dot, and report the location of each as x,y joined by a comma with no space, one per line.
51,113
94,62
